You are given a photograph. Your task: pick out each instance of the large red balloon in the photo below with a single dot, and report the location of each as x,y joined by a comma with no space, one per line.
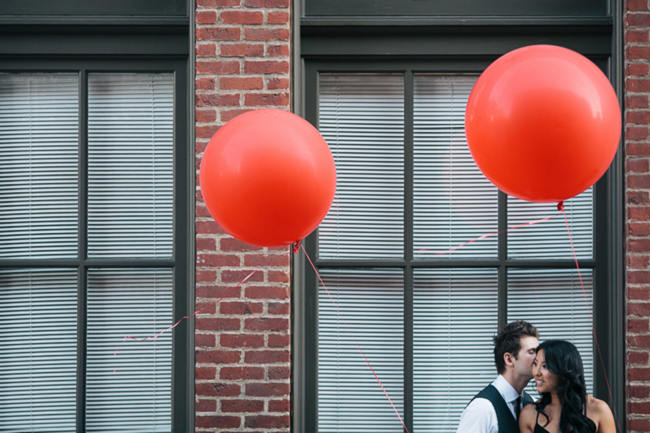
268,177
543,123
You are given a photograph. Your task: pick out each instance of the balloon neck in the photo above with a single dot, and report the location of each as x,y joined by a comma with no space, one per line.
296,246
560,206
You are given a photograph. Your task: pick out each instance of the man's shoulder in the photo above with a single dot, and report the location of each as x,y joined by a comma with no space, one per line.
479,404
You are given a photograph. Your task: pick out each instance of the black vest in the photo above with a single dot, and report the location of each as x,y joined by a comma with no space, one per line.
507,423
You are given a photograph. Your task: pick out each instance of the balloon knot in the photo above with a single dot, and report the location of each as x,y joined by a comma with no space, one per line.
296,246
560,206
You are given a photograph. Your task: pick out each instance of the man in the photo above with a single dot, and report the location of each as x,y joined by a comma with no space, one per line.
496,408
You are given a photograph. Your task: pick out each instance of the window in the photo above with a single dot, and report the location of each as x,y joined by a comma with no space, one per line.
94,229
423,305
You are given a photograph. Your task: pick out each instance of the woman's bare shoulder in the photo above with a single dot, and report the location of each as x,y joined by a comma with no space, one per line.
597,406
527,418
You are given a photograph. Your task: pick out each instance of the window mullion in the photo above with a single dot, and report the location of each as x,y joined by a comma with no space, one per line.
408,249
502,252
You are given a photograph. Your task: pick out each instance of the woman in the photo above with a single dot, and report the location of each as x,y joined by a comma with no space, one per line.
565,406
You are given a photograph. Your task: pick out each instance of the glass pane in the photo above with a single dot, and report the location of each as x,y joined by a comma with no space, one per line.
130,165
370,303
452,201
549,239
137,303
38,336
362,119
39,124
454,320
553,301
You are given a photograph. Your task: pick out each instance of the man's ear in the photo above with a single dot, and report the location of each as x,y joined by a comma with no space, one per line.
509,359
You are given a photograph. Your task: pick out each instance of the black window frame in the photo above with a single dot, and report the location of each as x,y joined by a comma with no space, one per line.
86,45
452,45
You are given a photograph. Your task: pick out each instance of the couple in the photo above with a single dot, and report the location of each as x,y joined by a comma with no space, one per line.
556,365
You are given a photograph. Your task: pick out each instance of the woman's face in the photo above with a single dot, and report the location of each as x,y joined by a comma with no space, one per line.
544,379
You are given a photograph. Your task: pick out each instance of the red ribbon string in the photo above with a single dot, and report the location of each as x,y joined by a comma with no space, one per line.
560,207
153,337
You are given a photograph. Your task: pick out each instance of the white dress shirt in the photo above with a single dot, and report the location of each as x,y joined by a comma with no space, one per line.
480,417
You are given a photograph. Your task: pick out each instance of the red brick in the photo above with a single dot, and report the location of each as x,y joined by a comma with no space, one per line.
637,20
278,277
218,356
218,421
279,405
266,67
218,292
204,340
227,115
276,373
637,149
267,389
638,212
217,67
237,276
217,100
279,340
206,50
204,405
638,261
206,308
638,308
209,244
267,421
219,324
218,34
208,227
636,5
638,69
241,340
241,308
237,83
204,116
206,131
204,83
263,292
266,260
635,326
638,391
241,373
277,17
242,50
266,324
266,356
636,101
638,117
278,84
638,245
217,3
242,17
208,373
637,165
266,3
277,50
638,424
639,407
204,276
217,390
636,132
263,100
232,244
637,294
633,374
201,209
636,36
266,34
279,308
638,181
242,405
204,259
637,197
206,17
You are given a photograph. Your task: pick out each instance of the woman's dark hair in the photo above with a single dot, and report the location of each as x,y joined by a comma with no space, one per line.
563,359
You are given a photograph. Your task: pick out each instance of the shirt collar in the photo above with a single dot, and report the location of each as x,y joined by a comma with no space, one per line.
506,390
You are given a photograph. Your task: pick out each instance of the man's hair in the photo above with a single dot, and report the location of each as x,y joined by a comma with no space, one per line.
508,341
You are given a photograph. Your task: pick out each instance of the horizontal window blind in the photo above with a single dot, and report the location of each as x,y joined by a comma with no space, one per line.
553,301
39,124
362,119
371,307
130,165
452,201
137,396
38,336
454,319
549,239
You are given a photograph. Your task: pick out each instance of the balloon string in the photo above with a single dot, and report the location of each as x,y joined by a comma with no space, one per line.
338,312
593,328
153,337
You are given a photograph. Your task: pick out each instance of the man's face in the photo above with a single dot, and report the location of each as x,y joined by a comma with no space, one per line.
526,357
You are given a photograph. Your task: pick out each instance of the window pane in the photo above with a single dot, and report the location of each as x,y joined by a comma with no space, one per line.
454,320
38,336
453,201
554,302
38,165
130,165
550,239
371,307
137,303
362,119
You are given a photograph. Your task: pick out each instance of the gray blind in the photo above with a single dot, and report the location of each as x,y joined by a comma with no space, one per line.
362,119
454,319
452,201
553,301
137,396
550,238
130,165
371,307
38,336
39,123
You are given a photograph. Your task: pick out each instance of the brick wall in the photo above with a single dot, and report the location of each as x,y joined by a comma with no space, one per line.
242,342
637,167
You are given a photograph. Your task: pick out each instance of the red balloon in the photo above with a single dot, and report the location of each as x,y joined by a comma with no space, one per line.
543,123
268,177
